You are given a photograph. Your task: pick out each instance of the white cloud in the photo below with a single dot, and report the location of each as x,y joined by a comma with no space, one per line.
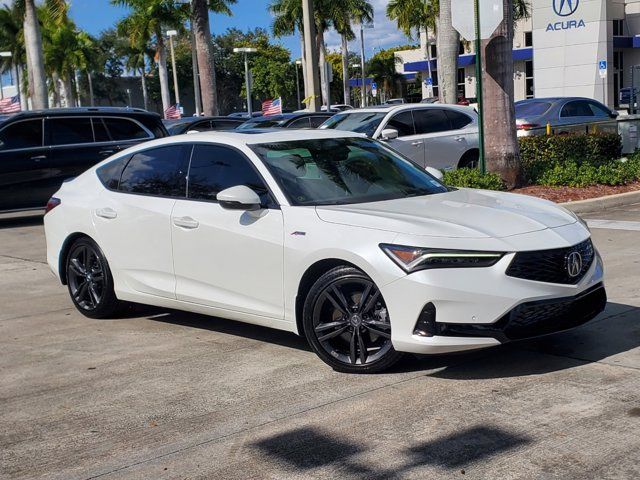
385,33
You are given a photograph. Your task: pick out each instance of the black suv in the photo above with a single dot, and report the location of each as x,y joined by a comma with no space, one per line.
40,149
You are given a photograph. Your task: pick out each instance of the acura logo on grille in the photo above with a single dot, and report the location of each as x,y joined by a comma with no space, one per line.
574,264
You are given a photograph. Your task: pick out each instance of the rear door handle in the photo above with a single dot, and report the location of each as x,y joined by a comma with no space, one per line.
106,152
459,139
108,213
37,158
186,222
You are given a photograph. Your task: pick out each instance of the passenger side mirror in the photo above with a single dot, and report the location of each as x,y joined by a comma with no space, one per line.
389,134
239,197
434,172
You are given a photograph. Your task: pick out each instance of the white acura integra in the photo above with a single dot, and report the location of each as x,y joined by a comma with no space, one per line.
323,233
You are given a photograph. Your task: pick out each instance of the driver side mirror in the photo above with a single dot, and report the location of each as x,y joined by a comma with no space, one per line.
239,197
434,172
389,134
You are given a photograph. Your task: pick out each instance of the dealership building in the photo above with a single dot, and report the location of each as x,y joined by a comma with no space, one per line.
566,48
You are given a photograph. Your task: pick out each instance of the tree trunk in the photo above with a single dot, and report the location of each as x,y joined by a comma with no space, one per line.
24,93
345,70
163,73
55,100
202,33
322,54
33,45
67,91
447,44
303,59
91,96
501,144
145,93
76,75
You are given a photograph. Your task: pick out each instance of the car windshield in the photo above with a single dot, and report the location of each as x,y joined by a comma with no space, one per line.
360,122
531,109
263,122
340,171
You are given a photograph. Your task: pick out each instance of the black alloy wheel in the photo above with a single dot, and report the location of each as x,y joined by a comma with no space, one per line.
89,280
347,323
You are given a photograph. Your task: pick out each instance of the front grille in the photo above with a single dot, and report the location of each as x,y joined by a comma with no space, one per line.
551,265
532,319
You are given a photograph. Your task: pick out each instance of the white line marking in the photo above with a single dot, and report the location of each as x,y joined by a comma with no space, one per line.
614,225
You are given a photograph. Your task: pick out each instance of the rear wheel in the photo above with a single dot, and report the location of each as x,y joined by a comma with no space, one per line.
470,159
89,280
347,324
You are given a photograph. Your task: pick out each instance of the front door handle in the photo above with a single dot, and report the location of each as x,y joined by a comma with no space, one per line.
186,222
416,144
106,152
37,158
459,139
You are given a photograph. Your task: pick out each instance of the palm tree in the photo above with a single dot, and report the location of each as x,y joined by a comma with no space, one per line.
346,12
147,20
501,146
382,67
200,25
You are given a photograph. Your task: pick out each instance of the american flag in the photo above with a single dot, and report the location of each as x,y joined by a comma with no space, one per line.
272,107
172,113
10,105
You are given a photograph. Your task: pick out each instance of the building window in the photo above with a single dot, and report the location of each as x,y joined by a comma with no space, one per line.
618,63
618,27
528,79
434,50
461,48
461,83
528,39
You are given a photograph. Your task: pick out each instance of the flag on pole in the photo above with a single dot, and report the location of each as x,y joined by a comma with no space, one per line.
173,113
10,104
272,107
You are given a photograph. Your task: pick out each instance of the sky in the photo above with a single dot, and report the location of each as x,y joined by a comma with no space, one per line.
97,15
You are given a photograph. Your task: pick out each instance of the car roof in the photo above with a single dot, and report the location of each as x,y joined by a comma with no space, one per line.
60,112
406,106
288,116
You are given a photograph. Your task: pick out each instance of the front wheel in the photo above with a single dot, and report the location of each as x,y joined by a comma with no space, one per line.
89,280
347,324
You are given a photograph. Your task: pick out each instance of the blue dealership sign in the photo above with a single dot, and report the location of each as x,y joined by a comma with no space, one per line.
564,8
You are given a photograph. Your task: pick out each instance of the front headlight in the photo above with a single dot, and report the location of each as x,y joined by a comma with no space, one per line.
412,259
582,221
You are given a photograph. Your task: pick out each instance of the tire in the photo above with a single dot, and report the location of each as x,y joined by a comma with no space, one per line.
346,323
89,280
469,160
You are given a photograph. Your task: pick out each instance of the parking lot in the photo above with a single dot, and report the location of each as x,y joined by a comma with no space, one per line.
163,394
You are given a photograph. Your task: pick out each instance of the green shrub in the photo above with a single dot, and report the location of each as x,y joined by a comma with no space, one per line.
472,178
573,174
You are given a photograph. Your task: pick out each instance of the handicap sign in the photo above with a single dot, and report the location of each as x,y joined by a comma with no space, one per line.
602,68
429,81
374,89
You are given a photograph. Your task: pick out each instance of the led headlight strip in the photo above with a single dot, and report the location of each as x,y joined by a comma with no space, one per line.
412,259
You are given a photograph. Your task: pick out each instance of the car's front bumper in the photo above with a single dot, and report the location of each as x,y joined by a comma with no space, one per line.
483,307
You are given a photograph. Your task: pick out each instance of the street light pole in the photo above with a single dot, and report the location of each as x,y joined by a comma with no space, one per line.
247,79
363,90
298,62
171,34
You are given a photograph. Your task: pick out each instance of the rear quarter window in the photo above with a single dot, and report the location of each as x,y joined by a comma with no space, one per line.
123,129
109,173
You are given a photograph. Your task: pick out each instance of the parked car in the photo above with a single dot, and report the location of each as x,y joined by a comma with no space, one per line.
395,101
41,149
327,234
435,135
564,114
245,114
288,120
202,124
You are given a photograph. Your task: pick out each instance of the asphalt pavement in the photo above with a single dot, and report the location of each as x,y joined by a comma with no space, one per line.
163,394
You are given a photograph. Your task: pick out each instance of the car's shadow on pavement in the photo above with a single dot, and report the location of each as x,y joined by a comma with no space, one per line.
29,220
615,331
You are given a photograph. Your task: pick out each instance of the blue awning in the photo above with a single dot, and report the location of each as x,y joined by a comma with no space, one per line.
357,82
624,42
519,54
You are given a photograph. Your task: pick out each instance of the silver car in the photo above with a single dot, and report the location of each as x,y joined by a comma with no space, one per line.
563,115
434,135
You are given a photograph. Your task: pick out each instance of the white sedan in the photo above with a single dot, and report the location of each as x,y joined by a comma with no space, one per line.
327,234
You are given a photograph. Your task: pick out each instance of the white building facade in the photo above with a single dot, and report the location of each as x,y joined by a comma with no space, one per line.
561,50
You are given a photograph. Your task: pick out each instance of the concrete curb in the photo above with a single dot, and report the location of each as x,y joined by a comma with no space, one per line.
599,204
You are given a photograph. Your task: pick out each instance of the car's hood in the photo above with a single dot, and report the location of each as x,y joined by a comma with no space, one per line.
463,213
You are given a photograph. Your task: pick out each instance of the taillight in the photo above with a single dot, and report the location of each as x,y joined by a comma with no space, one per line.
526,126
52,203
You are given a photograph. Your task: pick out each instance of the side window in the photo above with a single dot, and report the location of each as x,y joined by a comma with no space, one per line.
598,110
100,131
214,168
431,120
317,121
123,129
69,131
403,123
109,173
200,126
577,108
300,123
458,120
27,134
157,171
